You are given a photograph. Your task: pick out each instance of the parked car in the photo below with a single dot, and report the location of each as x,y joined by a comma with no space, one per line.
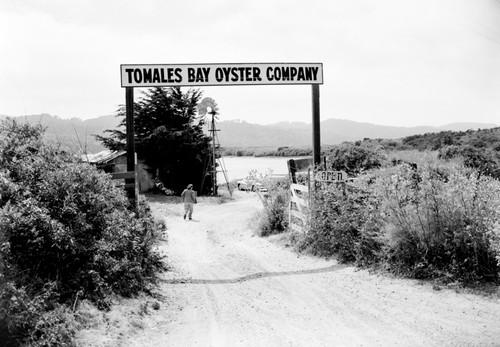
252,185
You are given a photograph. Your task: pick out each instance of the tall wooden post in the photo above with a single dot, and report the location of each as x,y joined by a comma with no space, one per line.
130,183
316,125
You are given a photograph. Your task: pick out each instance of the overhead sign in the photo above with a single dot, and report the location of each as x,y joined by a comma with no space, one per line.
168,75
331,176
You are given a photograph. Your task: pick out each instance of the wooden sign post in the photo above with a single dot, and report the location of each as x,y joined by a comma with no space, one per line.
131,183
316,126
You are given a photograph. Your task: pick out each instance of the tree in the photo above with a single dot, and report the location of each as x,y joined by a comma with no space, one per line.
168,136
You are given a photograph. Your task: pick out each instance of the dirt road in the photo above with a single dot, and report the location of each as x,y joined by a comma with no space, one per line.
228,287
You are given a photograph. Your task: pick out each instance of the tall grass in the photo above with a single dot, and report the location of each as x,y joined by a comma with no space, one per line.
440,220
274,216
413,156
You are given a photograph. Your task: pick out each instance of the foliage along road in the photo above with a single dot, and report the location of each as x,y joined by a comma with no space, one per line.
228,287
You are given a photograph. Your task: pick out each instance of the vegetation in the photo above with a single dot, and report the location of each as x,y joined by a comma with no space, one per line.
267,152
342,223
274,218
440,221
168,136
486,138
354,159
484,160
66,234
73,134
481,138
421,214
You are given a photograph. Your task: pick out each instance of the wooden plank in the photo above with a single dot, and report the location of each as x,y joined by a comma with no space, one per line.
298,208
298,165
296,227
301,204
301,165
297,214
298,200
300,187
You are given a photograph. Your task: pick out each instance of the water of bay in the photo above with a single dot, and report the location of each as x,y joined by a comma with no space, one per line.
239,167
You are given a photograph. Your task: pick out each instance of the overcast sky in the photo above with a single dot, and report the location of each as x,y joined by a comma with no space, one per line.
390,62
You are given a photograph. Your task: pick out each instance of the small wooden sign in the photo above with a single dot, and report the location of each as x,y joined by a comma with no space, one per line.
331,176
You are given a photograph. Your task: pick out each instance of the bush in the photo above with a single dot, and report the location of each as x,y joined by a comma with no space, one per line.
441,221
474,157
354,159
66,233
343,224
76,229
36,319
274,218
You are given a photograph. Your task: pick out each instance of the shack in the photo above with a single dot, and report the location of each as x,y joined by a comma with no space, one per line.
116,161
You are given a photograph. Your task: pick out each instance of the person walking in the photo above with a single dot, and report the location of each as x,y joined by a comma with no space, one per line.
189,199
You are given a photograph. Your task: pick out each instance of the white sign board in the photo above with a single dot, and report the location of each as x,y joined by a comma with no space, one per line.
331,176
170,75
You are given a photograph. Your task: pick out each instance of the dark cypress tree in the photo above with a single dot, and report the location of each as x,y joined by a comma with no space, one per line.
168,136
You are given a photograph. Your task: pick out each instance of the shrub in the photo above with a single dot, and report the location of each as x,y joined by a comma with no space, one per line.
354,159
76,230
274,217
440,221
474,157
412,156
34,318
66,233
343,224
54,327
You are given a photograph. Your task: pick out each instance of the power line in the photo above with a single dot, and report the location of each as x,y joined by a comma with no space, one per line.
470,23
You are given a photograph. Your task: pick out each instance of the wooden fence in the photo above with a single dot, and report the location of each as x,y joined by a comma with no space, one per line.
298,208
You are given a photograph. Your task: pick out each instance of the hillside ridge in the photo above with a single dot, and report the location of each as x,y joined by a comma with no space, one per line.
79,134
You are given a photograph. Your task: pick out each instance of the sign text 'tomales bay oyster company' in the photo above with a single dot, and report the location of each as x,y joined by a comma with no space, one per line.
169,75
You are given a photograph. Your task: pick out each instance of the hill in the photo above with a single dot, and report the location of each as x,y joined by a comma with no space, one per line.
79,134
333,131
484,139
74,133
